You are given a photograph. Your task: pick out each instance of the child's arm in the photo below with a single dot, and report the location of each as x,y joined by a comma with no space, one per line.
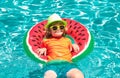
74,47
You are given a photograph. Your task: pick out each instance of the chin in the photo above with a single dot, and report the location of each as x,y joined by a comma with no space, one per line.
58,35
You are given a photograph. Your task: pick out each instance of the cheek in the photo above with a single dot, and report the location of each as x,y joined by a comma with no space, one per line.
52,33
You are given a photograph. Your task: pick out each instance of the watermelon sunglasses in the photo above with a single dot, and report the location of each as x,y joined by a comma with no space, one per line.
57,27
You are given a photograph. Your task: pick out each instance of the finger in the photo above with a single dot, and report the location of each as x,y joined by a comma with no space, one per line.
40,53
78,48
38,50
44,53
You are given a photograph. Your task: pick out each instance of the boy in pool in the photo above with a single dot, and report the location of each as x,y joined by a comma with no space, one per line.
58,49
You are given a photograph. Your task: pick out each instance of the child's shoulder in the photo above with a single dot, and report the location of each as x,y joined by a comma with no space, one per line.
45,39
66,38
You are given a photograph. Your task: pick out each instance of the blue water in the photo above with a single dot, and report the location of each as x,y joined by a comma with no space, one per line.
101,17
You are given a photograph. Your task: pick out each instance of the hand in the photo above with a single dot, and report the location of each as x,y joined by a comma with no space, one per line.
75,48
41,51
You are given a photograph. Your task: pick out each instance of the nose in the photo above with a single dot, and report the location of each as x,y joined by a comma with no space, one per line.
59,30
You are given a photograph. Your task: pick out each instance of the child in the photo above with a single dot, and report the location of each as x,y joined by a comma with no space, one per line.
58,49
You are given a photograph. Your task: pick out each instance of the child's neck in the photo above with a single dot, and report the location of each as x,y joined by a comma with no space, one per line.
58,37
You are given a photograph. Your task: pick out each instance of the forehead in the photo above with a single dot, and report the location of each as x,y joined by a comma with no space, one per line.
57,22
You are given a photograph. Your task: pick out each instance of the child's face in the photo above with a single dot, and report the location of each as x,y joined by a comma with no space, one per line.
57,29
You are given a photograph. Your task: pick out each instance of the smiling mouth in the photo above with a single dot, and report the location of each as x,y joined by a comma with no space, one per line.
58,32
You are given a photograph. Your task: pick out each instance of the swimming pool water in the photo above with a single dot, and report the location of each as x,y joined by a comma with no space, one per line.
101,17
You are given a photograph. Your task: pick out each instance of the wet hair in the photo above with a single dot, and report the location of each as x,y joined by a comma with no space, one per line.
48,31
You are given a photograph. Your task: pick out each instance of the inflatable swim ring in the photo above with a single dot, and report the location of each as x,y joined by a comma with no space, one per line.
76,32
